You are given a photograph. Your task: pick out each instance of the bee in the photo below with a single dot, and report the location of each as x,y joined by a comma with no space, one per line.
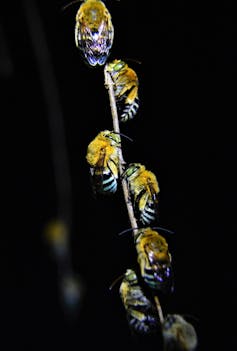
178,334
144,188
94,32
102,156
141,312
154,259
56,236
125,88
72,291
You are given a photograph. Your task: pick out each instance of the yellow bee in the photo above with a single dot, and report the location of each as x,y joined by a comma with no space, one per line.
144,188
102,156
178,334
141,312
125,88
56,236
94,32
154,259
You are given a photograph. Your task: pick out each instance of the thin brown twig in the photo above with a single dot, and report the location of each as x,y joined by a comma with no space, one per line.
109,85
159,309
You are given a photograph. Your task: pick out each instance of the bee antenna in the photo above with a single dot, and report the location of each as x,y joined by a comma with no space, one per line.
70,3
163,229
133,60
158,228
124,135
127,230
116,281
127,137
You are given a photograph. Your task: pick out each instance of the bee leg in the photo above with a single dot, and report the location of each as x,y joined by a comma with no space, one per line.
123,165
76,34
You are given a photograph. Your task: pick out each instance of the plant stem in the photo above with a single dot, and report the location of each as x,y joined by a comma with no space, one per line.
159,309
109,85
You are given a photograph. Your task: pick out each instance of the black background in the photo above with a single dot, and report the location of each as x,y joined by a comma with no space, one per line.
169,41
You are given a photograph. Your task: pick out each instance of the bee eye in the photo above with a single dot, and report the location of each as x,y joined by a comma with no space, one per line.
119,66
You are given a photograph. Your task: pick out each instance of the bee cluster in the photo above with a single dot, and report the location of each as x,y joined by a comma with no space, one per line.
94,35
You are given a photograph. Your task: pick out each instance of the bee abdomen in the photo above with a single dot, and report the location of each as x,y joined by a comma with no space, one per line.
105,183
95,58
109,183
147,326
149,279
148,215
129,110
161,282
94,53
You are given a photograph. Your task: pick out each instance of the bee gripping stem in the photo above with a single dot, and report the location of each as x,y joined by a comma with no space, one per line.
116,128
114,113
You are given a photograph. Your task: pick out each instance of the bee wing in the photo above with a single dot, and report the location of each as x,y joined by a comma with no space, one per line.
95,44
97,172
155,199
162,268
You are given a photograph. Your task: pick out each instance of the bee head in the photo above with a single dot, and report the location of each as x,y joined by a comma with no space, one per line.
133,169
113,137
118,65
129,276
